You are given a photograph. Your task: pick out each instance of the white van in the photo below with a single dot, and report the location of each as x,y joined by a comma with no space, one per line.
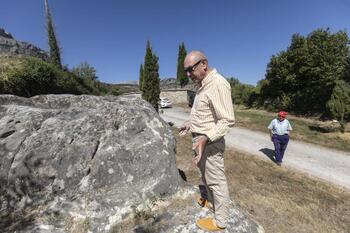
165,102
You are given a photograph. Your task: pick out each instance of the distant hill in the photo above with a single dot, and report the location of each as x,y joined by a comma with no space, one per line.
123,87
166,83
9,46
171,83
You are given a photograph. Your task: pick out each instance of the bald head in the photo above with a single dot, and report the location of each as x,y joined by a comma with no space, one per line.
196,66
195,56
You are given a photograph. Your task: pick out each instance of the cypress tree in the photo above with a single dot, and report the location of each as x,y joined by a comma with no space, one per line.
181,77
141,78
55,56
150,86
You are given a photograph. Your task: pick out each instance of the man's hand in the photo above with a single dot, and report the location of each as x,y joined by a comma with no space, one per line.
198,147
184,128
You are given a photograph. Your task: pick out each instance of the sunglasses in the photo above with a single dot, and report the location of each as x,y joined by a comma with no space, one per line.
190,69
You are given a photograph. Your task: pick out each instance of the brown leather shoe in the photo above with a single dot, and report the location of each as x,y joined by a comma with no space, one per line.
208,224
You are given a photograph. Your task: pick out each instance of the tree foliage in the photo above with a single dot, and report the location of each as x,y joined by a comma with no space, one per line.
181,77
55,55
339,103
85,70
240,93
34,76
301,79
151,88
141,78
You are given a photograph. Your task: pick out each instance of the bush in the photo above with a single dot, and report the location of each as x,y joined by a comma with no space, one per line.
33,76
29,78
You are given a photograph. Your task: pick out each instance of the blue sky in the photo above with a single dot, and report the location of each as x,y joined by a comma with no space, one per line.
238,37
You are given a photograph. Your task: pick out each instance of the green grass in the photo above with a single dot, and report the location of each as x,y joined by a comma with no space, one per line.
303,129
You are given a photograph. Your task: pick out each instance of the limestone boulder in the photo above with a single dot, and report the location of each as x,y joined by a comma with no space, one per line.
85,155
83,164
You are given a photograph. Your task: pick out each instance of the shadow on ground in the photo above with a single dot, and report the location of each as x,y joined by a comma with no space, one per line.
269,153
182,174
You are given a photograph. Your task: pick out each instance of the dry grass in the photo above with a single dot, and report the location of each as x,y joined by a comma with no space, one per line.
343,136
8,64
280,199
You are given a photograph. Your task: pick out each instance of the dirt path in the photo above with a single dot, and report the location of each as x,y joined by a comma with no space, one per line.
324,163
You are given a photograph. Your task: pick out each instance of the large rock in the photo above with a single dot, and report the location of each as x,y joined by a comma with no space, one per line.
97,157
84,164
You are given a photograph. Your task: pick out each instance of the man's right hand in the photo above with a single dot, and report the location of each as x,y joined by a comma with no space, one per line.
198,148
184,128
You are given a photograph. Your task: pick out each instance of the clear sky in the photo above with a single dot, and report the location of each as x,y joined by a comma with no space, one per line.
238,37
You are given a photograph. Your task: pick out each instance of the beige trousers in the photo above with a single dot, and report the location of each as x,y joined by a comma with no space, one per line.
212,171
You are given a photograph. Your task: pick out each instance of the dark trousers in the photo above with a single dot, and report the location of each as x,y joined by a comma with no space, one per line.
280,142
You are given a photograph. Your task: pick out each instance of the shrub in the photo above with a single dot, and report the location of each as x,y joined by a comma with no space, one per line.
33,76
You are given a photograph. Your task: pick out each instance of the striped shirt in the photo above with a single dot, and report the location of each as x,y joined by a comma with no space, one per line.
212,111
280,127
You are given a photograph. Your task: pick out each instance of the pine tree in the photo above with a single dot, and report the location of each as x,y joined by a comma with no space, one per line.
150,87
55,56
141,78
181,77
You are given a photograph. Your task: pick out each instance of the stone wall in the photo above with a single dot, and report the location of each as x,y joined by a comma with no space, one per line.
177,96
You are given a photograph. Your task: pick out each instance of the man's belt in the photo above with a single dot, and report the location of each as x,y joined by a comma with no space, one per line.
196,134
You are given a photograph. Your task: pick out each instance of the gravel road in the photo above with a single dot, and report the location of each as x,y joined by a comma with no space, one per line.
321,162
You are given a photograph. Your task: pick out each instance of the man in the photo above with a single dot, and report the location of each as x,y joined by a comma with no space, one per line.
210,119
279,132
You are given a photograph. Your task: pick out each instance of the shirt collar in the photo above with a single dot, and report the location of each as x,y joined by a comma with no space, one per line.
208,78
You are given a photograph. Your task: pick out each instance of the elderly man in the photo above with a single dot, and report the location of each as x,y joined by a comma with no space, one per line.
210,119
279,132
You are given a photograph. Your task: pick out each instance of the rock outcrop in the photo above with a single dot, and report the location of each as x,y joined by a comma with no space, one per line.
11,47
5,34
93,164
105,154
